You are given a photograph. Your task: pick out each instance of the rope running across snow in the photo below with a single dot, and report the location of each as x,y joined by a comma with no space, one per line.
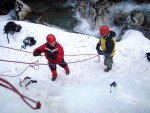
37,64
32,53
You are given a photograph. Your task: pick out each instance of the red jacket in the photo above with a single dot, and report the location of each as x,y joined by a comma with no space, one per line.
57,50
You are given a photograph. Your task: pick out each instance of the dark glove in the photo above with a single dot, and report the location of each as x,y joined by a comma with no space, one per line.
99,52
98,47
37,53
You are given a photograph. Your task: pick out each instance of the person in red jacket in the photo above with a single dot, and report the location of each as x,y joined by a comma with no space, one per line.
54,53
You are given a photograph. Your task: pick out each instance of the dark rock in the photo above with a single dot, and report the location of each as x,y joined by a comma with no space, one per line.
6,6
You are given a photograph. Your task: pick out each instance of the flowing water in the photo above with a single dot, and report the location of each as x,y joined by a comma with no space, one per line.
84,27
67,17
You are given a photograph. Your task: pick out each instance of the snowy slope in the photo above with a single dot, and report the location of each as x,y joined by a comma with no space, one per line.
86,89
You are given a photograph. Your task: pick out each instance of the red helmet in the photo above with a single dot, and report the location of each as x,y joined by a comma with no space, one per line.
50,38
104,30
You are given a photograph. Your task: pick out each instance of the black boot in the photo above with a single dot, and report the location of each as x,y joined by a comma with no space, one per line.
54,78
107,69
67,72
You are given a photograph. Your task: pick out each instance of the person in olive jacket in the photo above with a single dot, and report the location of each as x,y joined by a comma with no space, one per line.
107,46
54,53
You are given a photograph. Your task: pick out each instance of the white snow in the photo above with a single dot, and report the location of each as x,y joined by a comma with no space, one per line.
87,88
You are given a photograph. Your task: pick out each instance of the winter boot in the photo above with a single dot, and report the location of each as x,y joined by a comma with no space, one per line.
54,75
67,70
107,69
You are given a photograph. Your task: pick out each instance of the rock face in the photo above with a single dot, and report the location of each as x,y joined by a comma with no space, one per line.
51,12
135,20
142,1
128,20
94,12
22,10
99,13
6,6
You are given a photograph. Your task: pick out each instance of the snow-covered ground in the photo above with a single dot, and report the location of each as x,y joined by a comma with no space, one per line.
87,88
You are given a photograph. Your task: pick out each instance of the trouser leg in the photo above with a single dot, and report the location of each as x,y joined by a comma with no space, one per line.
53,69
108,61
64,65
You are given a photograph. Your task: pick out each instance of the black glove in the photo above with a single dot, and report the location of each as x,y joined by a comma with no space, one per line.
99,52
37,53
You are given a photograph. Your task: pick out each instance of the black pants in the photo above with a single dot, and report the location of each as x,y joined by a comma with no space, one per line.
61,64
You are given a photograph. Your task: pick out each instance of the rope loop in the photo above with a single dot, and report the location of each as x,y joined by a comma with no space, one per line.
9,86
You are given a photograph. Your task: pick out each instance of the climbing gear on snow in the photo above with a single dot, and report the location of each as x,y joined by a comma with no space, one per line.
113,84
28,41
11,27
148,56
27,81
30,82
26,78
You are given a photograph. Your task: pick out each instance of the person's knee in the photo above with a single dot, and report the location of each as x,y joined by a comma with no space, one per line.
108,63
63,63
52,66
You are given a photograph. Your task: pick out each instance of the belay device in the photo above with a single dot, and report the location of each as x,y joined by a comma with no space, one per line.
28,41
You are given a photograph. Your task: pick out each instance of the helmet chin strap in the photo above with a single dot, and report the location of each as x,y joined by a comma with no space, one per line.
105,37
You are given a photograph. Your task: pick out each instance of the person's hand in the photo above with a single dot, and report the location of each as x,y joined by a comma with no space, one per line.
99,52
37,53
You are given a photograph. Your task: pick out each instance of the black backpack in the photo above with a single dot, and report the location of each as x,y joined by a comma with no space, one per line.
11,27
28,41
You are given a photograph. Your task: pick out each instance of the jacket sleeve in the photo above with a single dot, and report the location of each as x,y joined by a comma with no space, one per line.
60,53
98,45
41,48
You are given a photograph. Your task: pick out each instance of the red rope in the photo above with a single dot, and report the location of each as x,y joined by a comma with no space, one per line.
44,63
15,49
24,69
32,53
9,86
